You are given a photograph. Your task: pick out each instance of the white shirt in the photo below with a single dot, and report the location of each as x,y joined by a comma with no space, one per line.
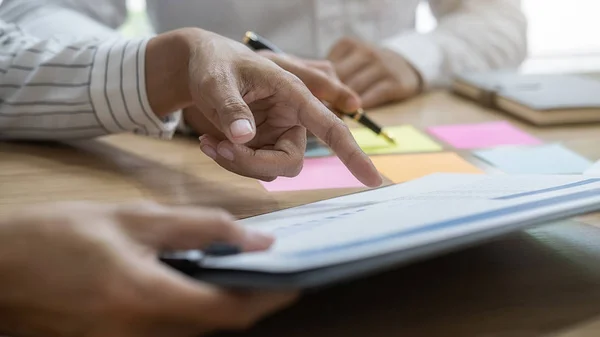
80,89
471,35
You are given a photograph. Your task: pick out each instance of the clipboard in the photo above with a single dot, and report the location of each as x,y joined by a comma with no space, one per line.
334,273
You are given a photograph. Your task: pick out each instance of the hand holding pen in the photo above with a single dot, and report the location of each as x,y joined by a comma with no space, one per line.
341,97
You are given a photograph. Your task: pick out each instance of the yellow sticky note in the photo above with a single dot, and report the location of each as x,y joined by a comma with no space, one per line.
408,167
408,139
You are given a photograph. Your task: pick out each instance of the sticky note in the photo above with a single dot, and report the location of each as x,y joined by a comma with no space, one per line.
544,159
318,173
408,167
483,135
314,148
408,139
321,151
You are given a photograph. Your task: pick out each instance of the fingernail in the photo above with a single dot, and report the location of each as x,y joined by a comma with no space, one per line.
201,138
256,240
241,128
209,151
225,152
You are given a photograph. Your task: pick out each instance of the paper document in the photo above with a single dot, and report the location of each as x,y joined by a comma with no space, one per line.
594,170
421,212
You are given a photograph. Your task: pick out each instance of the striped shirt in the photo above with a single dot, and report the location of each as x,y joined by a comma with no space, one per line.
54,89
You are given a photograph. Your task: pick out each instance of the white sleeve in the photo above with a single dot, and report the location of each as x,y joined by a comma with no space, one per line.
53,90
45,18
472,35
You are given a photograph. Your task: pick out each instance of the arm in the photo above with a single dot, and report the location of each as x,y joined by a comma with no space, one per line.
54,90
84,269
472,35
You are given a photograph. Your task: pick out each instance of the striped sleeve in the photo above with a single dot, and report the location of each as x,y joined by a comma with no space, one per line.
51,90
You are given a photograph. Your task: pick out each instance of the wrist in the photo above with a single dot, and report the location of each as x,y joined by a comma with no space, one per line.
167,72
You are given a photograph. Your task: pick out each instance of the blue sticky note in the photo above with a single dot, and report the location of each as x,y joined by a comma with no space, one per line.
321,151
314,148
543,159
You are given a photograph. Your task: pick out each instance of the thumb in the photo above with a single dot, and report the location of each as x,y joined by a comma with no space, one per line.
185,228
236,120
234,116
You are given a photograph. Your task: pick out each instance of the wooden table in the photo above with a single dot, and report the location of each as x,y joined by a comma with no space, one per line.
542,282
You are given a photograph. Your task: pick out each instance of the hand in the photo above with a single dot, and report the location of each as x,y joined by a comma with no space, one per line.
263,110
82,269
318,75
320,78
378,75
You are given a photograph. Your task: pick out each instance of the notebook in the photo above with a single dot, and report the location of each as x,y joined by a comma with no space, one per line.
540,99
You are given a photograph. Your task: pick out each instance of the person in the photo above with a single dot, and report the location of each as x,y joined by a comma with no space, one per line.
88,269
52,90
372,44
85,269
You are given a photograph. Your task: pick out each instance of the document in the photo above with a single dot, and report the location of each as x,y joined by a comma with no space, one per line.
426,211
594,170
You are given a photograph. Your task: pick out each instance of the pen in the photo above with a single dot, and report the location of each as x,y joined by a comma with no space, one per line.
257,42
190,261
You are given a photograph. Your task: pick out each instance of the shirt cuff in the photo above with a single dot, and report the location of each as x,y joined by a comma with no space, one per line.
118,90
422,53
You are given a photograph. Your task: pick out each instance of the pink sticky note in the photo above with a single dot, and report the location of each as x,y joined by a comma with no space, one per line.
474,136
318,173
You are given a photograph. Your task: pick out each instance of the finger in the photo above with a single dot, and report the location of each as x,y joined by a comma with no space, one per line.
232,113
284,159
182,228
326,88
189,302
352,64
341,49
380,93
364,79
325,125
324,66
208,145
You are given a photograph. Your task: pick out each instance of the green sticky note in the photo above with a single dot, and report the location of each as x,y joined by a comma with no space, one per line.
408,140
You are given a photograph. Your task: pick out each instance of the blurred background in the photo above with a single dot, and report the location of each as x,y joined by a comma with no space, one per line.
563,34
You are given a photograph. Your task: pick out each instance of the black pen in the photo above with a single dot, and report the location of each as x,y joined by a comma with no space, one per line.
257,42
190,261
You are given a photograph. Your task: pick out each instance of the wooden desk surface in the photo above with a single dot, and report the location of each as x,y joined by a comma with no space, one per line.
537,283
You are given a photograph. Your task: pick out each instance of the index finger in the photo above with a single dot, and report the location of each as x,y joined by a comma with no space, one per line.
325,125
